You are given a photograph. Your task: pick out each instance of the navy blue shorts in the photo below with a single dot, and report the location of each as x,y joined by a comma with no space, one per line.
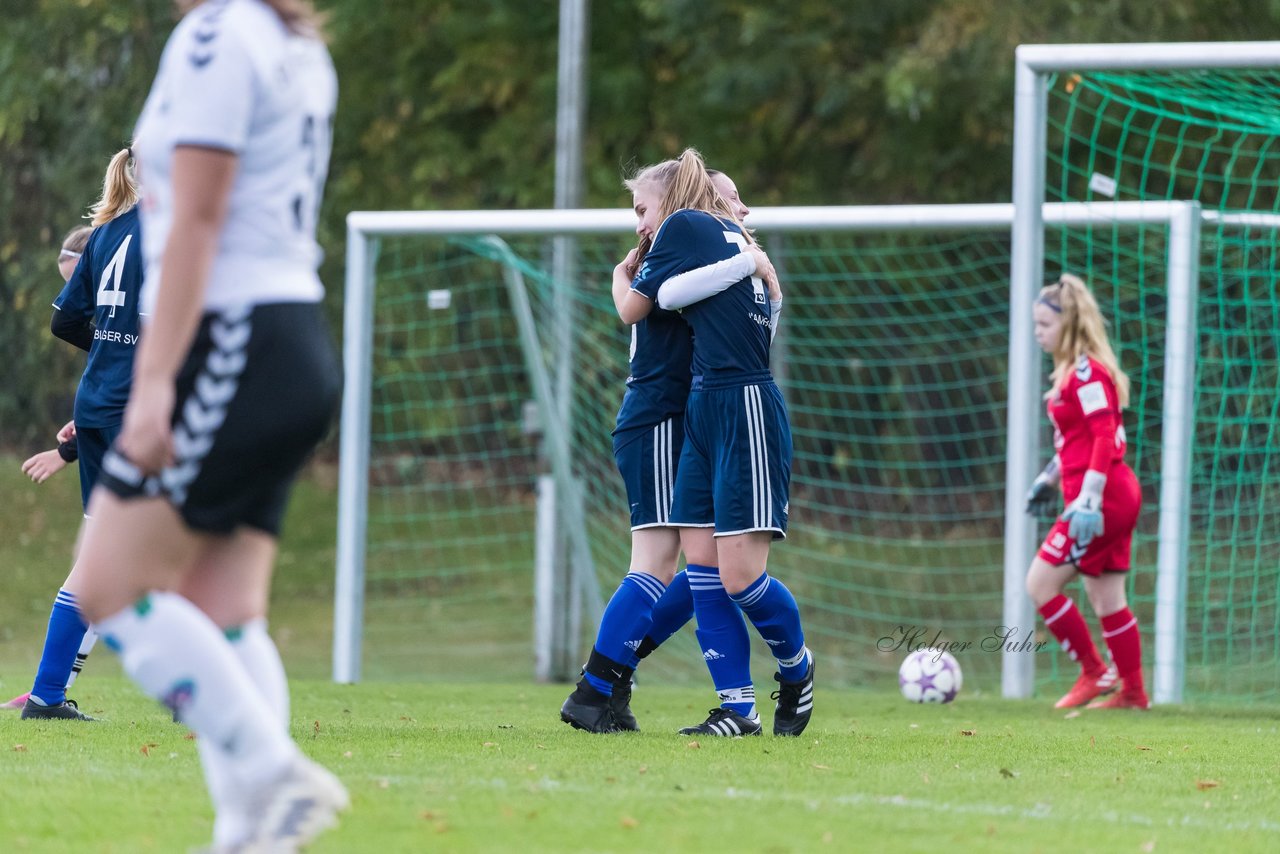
91,445
647,460
735,470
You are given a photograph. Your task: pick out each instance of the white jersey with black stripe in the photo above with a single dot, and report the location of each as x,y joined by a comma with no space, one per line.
233,77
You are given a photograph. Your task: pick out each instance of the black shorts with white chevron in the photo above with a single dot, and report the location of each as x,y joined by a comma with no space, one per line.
257,392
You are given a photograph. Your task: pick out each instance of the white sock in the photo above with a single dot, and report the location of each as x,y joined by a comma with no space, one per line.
175,654
257,652
261,660
86,647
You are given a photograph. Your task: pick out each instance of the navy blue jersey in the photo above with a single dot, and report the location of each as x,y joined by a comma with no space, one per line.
661,352
730,329
105,288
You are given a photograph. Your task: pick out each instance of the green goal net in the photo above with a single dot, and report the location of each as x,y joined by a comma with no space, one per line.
1208,136
892,360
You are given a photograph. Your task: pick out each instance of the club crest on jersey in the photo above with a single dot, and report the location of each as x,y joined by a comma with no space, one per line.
1084,370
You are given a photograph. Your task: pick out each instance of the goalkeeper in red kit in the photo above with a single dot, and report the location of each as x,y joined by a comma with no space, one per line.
1093,535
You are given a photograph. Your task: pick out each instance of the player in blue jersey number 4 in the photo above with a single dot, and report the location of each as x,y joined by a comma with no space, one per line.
97,311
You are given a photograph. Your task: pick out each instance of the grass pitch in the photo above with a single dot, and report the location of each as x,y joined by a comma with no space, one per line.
443,766
491,768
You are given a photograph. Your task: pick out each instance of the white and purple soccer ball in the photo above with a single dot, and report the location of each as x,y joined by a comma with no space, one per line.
930,676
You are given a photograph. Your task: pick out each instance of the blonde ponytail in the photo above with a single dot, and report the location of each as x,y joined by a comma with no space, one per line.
683,183
119,189
1083,332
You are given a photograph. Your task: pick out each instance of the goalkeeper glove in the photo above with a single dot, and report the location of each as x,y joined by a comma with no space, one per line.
1084,516
1043,494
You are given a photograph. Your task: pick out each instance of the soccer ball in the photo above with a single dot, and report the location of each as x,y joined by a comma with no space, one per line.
930,676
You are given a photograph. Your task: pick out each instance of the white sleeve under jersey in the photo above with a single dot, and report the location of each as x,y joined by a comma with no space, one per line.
233,77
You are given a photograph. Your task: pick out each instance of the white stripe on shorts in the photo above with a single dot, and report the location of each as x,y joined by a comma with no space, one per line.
761,490
662,471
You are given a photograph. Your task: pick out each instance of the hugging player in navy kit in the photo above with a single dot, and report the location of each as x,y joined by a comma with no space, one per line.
96,311
734,472
653,601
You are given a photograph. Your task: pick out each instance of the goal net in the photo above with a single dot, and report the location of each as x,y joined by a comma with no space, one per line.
1173,131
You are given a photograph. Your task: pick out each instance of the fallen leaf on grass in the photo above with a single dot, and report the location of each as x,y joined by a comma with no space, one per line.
628,821
968,732
315,729
19,748
1143,747
491,744
347,755
642,769
395,754
145,750
429,815
1007,774
924,777
693,745
191,736
1207,784
822,767
384,783
1074,713
1148,846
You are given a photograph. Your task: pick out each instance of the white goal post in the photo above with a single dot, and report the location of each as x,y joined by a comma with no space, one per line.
364,229
1034,65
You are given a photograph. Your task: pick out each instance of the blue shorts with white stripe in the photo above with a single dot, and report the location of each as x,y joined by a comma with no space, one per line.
647,458
735,470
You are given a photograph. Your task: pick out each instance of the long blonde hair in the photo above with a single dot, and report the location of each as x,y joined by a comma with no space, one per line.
119,189
299,16
1083,332
683,183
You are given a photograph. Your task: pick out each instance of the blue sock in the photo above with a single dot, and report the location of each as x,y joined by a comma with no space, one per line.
772,609
722,634
626,621
61,643
670,613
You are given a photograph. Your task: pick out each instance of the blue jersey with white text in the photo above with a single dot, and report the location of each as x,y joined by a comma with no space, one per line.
105,287
730,329
658,385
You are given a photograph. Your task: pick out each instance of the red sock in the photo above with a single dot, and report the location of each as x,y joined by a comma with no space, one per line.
1120,630
1062,617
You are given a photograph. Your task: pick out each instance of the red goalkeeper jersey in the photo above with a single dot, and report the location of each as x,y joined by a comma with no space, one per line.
1087,429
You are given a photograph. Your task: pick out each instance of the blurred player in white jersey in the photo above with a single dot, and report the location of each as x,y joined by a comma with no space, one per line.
235,382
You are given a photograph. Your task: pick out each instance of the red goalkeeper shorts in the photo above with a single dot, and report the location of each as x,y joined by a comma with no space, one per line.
1109,551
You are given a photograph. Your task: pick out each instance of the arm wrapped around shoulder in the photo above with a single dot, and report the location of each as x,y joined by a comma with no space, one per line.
684,289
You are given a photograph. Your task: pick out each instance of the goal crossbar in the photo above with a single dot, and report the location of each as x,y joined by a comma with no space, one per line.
365,228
